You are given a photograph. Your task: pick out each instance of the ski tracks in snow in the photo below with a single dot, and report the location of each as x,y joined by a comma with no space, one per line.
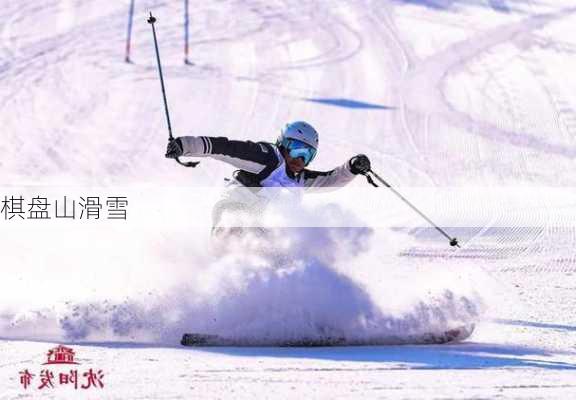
423,83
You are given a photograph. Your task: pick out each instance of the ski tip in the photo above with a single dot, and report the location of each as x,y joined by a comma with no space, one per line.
455,335
199,339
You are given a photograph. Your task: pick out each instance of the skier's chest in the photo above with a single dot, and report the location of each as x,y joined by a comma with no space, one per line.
280,178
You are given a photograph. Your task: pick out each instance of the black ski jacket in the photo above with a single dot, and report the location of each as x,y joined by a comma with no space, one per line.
257,161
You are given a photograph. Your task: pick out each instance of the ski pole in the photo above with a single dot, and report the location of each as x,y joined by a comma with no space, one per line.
151,21
453,241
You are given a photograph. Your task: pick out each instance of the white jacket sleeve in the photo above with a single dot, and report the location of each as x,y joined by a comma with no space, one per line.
194,146
339,176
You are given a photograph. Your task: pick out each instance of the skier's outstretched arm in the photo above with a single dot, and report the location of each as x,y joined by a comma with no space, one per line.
339,176
246,155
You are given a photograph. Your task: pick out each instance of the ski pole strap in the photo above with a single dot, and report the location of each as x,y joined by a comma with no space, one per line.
453,241
370,180
191,164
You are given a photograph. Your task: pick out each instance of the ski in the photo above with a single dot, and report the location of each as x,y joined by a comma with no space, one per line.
449,336
201,340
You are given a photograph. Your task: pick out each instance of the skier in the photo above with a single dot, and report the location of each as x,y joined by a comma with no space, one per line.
263,165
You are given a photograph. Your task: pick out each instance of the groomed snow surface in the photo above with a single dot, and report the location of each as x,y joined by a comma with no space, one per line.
443,95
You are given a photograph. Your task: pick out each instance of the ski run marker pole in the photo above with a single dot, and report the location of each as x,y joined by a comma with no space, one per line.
453,241
186,36
151,21
129,33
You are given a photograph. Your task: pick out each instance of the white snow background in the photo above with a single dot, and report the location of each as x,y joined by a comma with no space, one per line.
439,93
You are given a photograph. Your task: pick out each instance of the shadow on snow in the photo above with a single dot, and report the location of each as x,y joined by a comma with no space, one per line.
417,357
459,356
348,103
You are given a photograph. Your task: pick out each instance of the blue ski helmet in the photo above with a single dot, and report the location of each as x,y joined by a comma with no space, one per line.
299,139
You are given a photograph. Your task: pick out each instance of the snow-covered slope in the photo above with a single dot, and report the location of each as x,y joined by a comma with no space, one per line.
442,95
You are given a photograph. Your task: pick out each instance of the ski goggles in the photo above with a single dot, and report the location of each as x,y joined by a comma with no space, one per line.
297,149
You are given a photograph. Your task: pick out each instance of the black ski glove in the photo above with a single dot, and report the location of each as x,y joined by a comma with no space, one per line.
174,149
359,164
